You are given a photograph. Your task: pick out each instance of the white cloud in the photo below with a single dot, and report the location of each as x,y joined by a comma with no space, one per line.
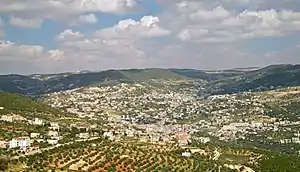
218,13
200,22
147,27
236,4
25,23
63,9
56,55
97,52
18,50
22,58
69,35
109,5
121,42
88,18
188,34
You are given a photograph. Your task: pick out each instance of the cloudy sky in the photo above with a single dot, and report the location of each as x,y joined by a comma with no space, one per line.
42,36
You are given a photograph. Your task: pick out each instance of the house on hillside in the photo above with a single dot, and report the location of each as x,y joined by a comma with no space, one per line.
12,118
203,139
53,134
186,154
83,135
54,126
183,138
81,126
38,121
21,142
109,135
34,135
52,141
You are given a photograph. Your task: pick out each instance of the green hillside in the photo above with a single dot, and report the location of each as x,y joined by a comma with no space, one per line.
29,108
206,75
219,82
21,84
259,80
147,74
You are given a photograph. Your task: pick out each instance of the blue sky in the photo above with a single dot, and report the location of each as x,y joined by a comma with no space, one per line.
101,34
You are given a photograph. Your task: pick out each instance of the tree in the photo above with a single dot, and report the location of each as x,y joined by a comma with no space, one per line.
112,168
3,163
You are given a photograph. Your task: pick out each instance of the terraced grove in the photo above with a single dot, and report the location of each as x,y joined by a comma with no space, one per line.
103,155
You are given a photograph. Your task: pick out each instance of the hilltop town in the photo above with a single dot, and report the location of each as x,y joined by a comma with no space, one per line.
160,109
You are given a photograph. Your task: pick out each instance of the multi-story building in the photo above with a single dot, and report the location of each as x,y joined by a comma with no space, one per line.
21,142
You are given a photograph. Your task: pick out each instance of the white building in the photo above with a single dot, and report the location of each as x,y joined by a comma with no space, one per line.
186,154
109,134
93,126
204,139
7,118
129,133
52,133
38,121
296,140
52,141
22,142
54,126
229,128
34,135
83,135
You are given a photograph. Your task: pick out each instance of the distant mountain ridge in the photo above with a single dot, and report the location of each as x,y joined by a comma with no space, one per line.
270,77
218,81
37,84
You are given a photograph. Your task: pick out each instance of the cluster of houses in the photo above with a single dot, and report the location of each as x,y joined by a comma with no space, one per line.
172,105
51,137
155,133
240,130
294,140
24,143
12,118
